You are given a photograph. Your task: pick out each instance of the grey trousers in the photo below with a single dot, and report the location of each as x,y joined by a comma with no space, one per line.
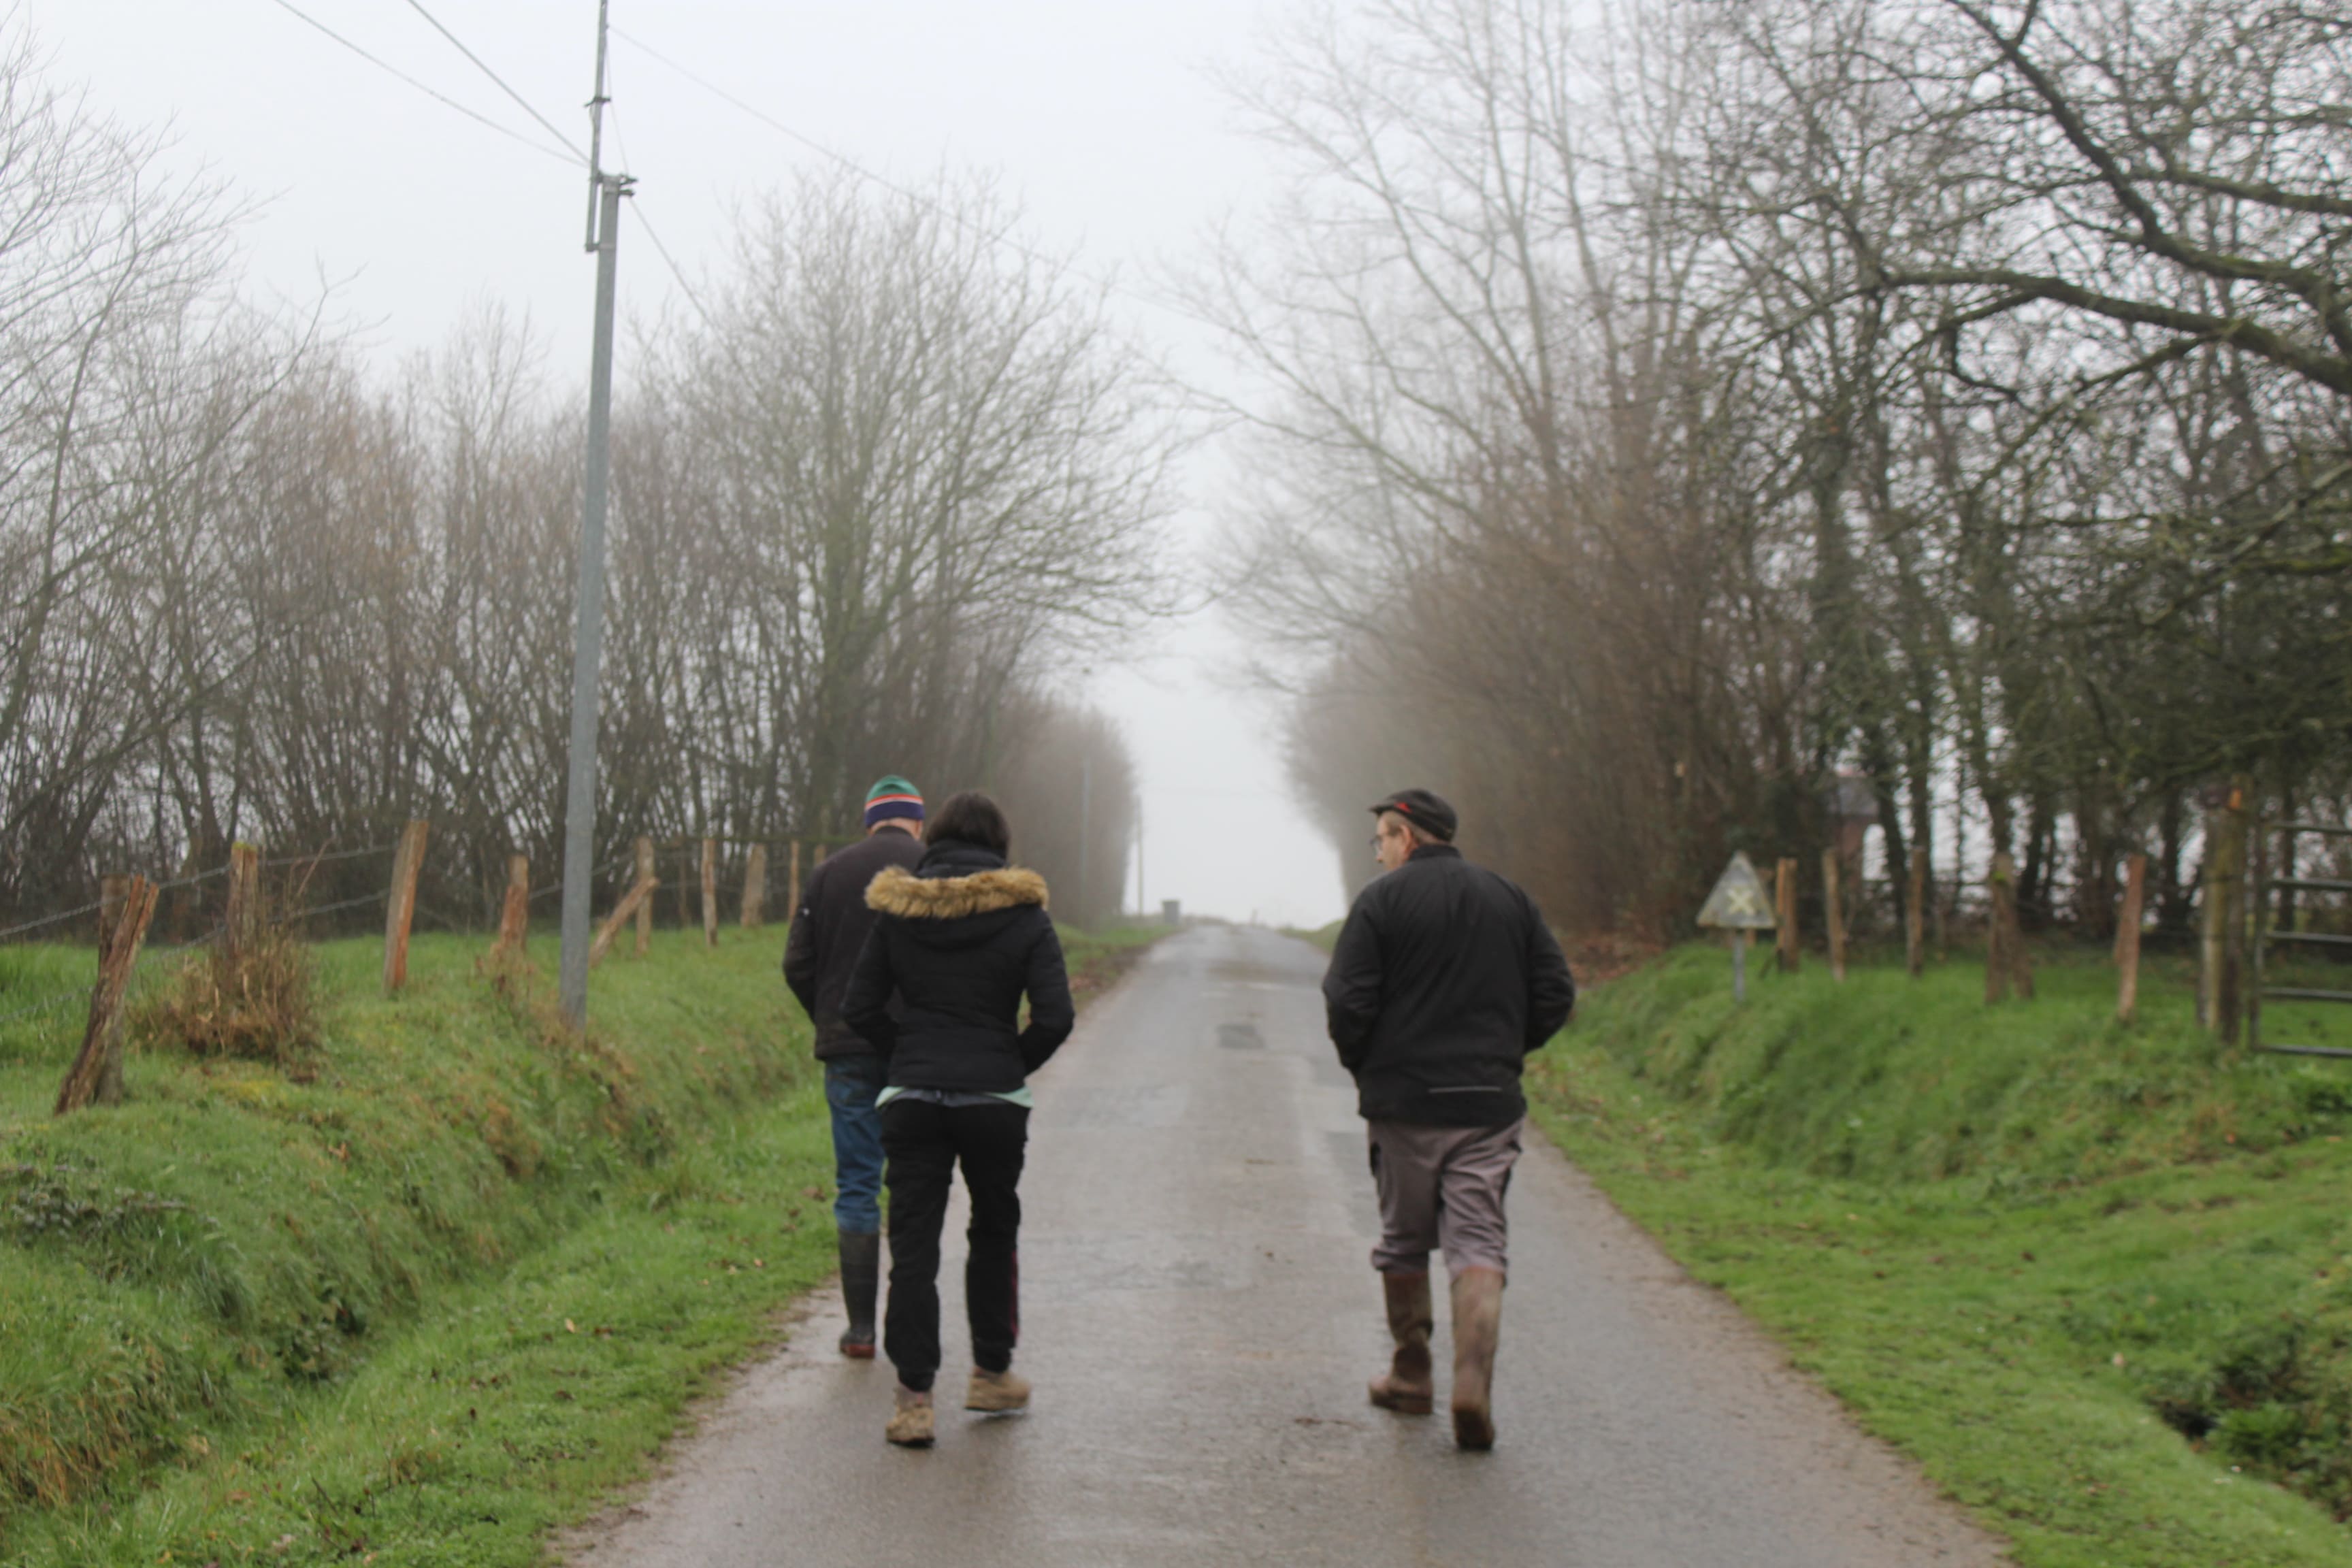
1442,1187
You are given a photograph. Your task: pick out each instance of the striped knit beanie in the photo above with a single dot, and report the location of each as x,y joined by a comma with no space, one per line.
893,797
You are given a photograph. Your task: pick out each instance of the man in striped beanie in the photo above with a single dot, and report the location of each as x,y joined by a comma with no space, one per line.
828,929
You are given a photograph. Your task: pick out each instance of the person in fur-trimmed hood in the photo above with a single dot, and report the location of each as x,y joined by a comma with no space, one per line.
960,940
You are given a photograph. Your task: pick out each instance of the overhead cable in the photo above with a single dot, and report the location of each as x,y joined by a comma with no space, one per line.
773,123
479,65
993,237
676,271
476,115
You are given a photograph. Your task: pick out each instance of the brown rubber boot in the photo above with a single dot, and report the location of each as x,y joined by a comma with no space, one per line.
996,1393
910,1420
1407,1387
1478,1325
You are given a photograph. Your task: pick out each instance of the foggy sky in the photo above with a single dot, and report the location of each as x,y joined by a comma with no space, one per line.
1097,117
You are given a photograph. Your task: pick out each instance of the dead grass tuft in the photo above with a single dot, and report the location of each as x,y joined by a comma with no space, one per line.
256,1002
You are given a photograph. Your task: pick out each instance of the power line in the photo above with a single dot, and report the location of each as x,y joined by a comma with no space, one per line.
993,237
676,271
620,139
418,7
773,123
508,131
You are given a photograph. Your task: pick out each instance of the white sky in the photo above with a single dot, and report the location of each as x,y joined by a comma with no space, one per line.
1095,113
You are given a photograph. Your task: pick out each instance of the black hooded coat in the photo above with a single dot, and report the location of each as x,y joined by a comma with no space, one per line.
960,940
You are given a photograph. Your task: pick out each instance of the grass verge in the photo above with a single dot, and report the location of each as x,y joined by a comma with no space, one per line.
2096,1279
424,1307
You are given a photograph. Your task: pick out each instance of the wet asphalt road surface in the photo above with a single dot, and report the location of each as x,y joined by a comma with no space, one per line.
1200,1317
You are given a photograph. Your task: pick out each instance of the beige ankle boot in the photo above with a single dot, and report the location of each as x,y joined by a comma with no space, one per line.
1478,1325
996,1393
1407,1387
910,1420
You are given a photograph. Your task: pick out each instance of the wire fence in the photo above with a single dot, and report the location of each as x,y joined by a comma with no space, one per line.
331,891
322,891
48,997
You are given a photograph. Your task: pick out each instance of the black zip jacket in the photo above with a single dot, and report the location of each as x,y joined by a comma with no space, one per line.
829,931
1444,979
960,940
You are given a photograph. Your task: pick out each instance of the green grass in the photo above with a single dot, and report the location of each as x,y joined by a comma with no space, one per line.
427,1305
2095,1278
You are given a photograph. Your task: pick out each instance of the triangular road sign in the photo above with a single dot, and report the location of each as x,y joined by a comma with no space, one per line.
1738,901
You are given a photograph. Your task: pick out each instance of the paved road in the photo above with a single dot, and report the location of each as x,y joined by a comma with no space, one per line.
1199,1317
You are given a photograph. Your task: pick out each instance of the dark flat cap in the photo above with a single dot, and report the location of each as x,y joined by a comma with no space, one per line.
1424,810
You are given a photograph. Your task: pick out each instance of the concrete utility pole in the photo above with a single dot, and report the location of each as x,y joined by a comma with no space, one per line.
605,193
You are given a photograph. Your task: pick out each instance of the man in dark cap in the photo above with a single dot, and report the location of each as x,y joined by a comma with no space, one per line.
820,954
1444,978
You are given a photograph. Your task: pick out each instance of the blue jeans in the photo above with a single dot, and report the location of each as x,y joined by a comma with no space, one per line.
850,1084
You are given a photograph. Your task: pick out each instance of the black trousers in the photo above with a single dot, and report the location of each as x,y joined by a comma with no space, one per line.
921,1143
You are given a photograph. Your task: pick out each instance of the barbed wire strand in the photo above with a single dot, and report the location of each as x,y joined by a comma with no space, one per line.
328,859
46,1004
51,919
376,897
196,880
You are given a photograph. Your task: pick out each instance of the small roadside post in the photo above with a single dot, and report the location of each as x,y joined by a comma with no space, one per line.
1739,905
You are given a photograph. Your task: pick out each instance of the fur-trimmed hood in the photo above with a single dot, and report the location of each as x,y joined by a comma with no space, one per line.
895,891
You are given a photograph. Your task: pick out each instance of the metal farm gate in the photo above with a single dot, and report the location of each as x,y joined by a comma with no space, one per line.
2266,932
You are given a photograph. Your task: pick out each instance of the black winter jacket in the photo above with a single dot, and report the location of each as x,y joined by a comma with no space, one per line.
1444,979
829,931
960,940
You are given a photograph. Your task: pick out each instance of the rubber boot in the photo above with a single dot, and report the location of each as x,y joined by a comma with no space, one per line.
910,1419
1478,1325
861,1272
996,1393
1407,1387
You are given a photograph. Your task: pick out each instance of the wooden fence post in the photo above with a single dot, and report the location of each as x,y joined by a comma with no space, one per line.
1915,915
755,888
514,914
96,1074
646,909
793,888
710,892
684,883
243,925
622,912
1784,896
1999,880
1834,912
2128,940
401,912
